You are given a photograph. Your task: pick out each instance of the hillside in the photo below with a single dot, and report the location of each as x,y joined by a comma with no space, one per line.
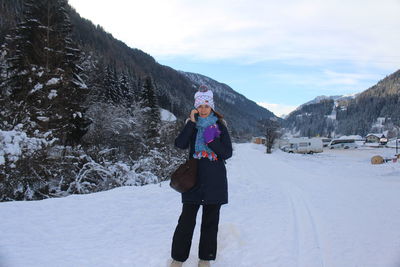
373,110
91,105
174,89
230,102
380,101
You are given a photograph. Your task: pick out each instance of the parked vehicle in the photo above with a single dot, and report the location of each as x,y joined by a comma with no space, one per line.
326,141
342,144
303,145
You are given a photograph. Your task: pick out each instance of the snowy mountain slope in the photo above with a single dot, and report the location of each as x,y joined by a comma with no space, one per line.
352,114
317,117
336,98
219,89
228,102
332,209
174,89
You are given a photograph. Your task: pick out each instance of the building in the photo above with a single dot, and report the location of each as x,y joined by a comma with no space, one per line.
376,138
259,140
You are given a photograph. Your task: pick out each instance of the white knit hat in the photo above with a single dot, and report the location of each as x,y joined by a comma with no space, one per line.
204,97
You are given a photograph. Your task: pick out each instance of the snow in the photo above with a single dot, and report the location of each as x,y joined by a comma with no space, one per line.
379,124
77,114
392,143
167,115
43,118
53,81
355,137
52,94
16,144
37,87
379,135
330,209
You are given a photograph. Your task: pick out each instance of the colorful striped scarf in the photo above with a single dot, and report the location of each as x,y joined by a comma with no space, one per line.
201,149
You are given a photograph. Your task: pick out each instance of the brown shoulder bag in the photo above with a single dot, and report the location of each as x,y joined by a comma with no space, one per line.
185,176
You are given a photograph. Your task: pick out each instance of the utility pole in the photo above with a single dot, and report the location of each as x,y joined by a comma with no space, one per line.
397,142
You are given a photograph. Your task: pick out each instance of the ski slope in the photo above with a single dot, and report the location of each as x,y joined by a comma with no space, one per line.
332,209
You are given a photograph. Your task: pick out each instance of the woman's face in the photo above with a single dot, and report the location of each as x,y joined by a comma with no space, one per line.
204,110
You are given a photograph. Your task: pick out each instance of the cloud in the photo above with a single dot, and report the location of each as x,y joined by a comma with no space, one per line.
325,81
288,50
353,79
278,109
361,31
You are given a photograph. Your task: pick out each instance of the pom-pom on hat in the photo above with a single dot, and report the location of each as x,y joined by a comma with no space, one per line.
204,97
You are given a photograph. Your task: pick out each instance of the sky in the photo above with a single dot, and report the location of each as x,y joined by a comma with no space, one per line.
279,54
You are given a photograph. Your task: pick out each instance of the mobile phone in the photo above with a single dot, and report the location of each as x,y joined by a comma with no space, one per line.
196,116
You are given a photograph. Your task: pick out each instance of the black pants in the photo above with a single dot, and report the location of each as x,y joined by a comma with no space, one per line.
182,239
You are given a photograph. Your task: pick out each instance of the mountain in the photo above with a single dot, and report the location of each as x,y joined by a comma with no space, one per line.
378,104
174,89
316,117
373,110
321,98
82,112
229,102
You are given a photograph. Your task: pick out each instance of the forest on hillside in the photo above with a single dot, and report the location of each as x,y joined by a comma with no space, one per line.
74,121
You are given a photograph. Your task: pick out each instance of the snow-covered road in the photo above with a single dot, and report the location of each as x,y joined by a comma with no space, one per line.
332,209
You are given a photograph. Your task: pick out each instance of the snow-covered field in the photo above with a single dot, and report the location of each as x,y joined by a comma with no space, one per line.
332,209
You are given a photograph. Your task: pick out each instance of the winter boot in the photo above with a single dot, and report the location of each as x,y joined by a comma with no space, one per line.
175,263
204,263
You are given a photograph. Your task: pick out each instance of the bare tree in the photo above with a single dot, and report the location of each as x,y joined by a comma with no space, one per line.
271,129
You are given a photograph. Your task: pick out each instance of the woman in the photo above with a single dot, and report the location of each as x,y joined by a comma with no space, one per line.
206,135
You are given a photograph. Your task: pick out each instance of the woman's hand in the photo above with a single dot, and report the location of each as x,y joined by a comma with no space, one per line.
192,113
211,132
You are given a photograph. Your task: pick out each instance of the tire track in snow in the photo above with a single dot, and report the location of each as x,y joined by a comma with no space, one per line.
307,248
264,222
301,247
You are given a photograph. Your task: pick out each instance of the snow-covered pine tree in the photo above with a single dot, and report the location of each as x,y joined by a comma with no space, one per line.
151,112
94,70
43,85
72,124
124,86
111,93
138,90
22,62
3,98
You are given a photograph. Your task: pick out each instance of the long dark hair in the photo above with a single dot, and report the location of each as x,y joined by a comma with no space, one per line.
220,117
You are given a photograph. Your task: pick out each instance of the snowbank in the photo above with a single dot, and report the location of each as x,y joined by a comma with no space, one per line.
167,115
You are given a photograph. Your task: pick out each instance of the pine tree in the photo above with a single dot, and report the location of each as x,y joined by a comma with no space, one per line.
22,61
43,85
151,111
127,90
110,91
124,86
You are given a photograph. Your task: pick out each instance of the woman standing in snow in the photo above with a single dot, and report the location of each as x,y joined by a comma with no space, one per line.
208,140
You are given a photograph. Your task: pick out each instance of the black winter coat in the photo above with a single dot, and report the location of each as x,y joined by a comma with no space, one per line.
212,185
